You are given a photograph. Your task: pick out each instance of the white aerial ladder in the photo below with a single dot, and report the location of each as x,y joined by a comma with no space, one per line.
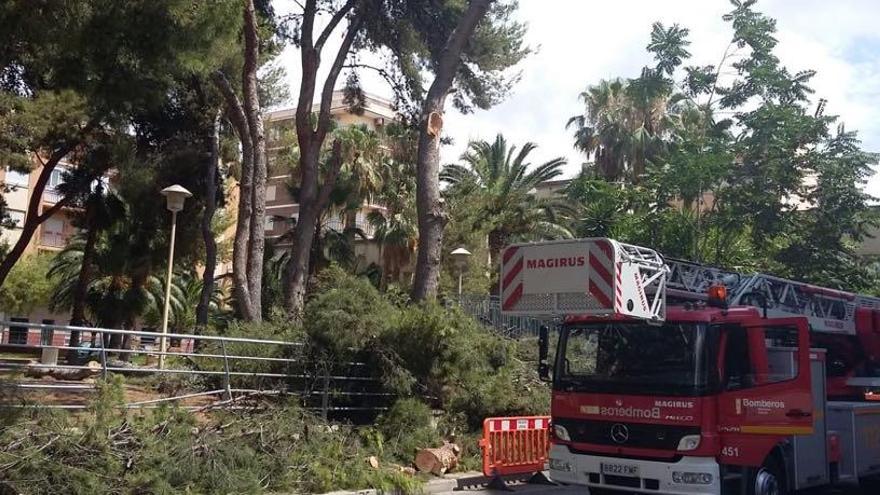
828,310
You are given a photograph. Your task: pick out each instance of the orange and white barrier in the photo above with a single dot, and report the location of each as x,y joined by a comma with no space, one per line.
515,445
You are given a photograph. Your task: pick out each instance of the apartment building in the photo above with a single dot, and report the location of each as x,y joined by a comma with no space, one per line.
54,233
282,208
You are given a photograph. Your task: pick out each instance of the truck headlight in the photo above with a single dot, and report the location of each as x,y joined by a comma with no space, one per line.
686,478
559,465
689,442
561,433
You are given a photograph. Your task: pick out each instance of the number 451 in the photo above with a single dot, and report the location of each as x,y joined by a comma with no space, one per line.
730,451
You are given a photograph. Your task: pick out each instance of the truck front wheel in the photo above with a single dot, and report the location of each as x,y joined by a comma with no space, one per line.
769,479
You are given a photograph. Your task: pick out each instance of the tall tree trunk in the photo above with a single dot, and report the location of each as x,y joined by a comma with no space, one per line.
241,242
253,113
78,312
297,270
496,240
212,166
312,198
431,216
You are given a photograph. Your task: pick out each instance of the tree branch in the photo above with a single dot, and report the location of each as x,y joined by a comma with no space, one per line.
308,25
334,21
450,59
396,85
234,109
333,75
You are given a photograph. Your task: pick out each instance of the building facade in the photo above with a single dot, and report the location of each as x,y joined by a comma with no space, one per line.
54,233
282,208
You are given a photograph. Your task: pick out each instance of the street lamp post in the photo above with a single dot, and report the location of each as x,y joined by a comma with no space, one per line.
175,196
460,257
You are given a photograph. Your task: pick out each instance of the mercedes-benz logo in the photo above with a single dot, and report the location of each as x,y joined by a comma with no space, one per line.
619,433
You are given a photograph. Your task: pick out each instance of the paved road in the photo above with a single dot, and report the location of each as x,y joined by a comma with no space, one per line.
575,490
525,489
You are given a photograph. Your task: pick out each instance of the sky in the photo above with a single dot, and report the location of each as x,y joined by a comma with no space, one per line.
577,43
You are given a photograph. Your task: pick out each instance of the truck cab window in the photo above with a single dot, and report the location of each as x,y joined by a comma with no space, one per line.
738,372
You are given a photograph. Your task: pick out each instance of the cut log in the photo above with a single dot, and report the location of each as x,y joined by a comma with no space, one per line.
438,461
91,369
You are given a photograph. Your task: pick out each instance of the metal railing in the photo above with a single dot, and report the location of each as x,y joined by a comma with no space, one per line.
286,369
487,310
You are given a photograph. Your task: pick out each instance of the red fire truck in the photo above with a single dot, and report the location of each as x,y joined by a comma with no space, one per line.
678,378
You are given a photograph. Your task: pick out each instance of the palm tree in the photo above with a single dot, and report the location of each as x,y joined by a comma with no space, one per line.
395,226
123,284
101,210
497,181
624,124
396,232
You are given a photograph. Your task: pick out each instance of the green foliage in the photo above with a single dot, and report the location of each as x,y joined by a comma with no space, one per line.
439,354
464,369
346,313
28,287
168,451
406,428
770,188
416,32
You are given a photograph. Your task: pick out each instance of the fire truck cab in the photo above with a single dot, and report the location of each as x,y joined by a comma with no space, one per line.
694,397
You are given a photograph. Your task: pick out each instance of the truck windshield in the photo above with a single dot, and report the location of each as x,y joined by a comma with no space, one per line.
635,358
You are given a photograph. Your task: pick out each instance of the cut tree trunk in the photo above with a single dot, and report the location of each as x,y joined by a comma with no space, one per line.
432,218
438,461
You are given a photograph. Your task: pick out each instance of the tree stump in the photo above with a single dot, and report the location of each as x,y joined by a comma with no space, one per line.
438,461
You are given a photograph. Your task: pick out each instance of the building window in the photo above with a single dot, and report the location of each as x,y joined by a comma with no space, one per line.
16,178
56,178
18,335
17,217
53,233
46,334
269,223
270,193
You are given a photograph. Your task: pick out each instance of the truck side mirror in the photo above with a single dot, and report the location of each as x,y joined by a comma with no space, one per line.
543,353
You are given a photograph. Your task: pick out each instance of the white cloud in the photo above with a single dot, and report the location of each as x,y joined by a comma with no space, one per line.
579,42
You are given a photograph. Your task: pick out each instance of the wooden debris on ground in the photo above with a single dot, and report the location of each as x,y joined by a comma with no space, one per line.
438,461
93,368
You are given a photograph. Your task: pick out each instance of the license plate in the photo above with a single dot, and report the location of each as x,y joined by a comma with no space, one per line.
621,470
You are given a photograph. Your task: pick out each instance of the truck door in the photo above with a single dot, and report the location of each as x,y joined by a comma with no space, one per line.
765,387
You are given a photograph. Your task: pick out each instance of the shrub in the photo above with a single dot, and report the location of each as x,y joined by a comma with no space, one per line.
406,428
347,313
460,366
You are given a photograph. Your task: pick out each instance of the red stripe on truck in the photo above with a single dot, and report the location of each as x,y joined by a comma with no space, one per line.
514,298
511,275
511,251
601,270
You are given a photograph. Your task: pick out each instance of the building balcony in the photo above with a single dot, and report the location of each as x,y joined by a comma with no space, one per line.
51,196
338,225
